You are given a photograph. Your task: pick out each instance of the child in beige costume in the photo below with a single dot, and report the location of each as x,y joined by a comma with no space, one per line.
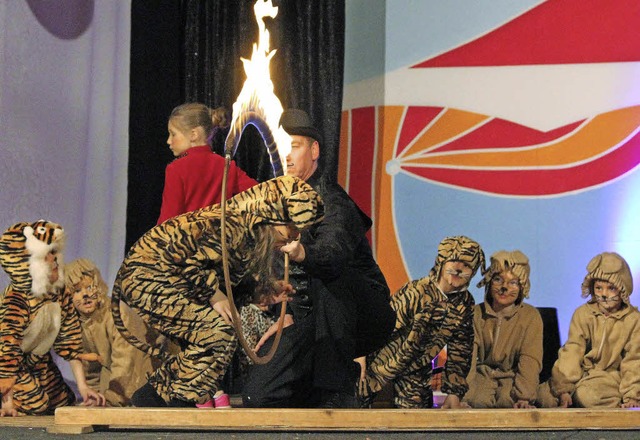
599,365
508,337
112,365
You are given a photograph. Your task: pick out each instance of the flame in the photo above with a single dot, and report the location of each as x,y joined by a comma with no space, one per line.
257,91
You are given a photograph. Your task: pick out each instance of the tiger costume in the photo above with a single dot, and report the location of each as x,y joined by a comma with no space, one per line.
426,320
35,315
173,272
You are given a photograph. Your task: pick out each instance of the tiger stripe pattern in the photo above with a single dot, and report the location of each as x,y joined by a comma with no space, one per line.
35,315
172,271
427,320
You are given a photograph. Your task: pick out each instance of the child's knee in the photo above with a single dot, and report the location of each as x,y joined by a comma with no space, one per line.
591,397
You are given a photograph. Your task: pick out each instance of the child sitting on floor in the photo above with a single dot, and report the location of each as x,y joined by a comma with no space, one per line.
599,365
508,338
111,364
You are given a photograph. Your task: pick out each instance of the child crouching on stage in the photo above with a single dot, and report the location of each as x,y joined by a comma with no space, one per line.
112,365
36,315
431,312
171,278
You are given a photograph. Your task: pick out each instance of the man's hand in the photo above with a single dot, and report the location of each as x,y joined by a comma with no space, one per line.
295,249
281,292
288,320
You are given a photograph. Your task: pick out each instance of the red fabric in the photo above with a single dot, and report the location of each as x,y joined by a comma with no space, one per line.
194,180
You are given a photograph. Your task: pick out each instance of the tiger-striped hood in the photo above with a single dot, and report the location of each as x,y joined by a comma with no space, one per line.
282,200
458,248
23,248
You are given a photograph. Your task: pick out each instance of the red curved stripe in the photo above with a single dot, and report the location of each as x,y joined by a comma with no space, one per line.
540,182
500,133
555,32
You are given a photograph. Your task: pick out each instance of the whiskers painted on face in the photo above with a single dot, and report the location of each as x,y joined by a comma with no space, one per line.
459,273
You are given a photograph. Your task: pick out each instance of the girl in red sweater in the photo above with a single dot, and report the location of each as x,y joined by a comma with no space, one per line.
194,179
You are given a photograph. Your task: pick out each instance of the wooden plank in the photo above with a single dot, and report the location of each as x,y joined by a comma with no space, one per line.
27,421
350,420
70,429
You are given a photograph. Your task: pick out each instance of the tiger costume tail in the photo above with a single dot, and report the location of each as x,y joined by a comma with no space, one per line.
116,297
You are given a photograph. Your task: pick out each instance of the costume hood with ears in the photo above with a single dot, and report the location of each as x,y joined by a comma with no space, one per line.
610,267
77,269
458,248
297,122
279,201
508,261
23,249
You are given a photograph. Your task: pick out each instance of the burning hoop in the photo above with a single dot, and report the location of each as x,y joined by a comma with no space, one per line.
256,105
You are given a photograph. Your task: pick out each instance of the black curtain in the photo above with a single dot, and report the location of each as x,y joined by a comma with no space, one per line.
189,50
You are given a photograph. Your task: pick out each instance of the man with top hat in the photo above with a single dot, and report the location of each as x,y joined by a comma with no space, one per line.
349,313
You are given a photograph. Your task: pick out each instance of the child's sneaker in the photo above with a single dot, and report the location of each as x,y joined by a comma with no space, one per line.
221,400
205,405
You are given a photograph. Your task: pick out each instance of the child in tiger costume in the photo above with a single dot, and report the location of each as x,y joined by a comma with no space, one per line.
112,365
171,277
431,312
37,314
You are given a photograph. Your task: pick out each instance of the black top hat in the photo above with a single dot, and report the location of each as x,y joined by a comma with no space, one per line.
297,122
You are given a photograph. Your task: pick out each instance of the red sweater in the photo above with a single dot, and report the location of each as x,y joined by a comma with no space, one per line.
194,180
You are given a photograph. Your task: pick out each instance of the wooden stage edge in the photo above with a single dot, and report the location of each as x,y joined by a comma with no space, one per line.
77,420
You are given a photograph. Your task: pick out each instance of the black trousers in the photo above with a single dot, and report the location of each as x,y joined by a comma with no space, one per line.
350,317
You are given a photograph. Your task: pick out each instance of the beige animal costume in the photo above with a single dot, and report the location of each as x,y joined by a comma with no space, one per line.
121,368
599,365
508,344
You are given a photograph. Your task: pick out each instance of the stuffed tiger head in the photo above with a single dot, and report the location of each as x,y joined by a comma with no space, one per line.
23,251
279,201
458,248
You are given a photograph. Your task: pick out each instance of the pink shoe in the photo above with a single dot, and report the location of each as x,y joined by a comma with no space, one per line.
222,401
207,404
